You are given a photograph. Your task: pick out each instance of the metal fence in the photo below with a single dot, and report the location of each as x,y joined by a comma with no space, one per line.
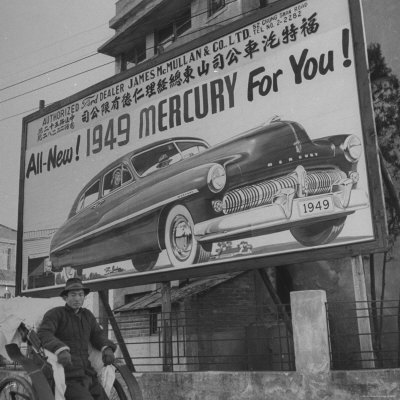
204,339
364,335
361,335
207,339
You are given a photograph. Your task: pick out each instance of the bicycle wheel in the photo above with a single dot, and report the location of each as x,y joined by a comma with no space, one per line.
117,392
125,386
16,388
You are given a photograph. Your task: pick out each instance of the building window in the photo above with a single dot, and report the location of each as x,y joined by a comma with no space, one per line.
5,258
169,33
153,327
138,54
214,6
8,258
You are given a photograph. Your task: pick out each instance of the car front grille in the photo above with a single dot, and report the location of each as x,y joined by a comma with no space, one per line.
304,183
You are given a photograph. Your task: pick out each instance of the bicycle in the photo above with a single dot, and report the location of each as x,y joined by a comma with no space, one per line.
41,385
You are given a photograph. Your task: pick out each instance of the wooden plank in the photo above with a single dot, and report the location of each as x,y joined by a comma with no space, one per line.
121,342
362,312
276,299
166,327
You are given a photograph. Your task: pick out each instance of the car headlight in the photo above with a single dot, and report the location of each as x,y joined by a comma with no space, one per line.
216,178
352,148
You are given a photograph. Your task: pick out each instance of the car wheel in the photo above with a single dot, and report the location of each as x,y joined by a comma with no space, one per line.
318,233
145,261
182,247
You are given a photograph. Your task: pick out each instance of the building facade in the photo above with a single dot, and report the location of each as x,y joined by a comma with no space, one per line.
8,245
145,29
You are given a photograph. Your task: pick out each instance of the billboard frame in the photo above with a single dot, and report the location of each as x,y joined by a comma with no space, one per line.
379,244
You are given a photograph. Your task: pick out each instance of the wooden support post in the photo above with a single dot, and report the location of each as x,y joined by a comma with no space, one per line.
362,312
166,326
276,299
117,332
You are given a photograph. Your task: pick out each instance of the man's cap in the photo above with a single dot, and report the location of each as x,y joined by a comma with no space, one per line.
74,284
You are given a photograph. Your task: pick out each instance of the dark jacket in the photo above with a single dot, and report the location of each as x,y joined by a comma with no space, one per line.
61,327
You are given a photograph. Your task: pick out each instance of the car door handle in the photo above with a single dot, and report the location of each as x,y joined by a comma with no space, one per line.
98,204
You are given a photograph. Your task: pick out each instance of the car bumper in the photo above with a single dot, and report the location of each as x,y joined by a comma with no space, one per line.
284,213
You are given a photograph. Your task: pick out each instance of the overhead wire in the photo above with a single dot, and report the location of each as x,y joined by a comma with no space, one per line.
47,72
83,58
97,41
17,115
91,55
102,65
54,58
54,43
53,83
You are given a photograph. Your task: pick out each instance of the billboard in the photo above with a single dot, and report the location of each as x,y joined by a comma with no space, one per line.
254,146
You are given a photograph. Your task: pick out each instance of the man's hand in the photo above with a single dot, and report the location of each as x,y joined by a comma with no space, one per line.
64,358
108,356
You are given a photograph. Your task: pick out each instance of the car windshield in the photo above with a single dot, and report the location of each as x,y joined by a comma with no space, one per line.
164,155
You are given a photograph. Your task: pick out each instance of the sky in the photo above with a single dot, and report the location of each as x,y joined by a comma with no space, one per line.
39,37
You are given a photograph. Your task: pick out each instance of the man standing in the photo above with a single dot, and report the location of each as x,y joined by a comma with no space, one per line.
67,332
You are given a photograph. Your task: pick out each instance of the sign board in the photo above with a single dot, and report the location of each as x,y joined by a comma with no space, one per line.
252,147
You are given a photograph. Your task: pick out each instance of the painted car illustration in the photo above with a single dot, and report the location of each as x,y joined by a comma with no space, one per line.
181,195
